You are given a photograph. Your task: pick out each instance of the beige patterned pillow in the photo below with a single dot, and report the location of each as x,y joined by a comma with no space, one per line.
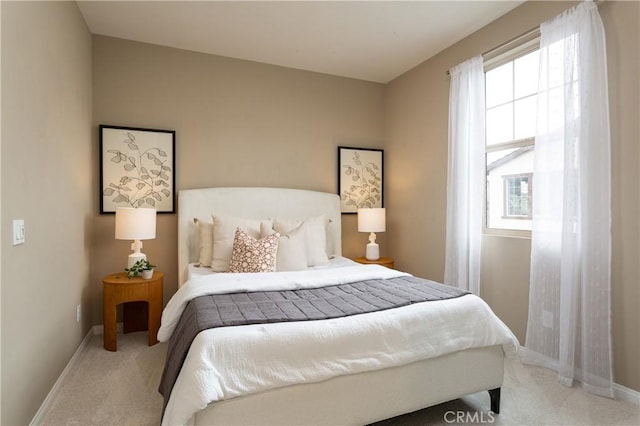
251,255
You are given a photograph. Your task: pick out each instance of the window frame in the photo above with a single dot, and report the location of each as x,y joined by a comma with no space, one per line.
494,59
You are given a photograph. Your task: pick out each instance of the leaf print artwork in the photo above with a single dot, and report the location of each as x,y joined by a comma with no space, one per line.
138,168
360,178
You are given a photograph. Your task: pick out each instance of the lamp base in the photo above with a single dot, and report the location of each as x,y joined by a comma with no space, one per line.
134,257
373,251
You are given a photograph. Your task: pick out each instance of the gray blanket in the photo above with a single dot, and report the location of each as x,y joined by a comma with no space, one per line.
233,309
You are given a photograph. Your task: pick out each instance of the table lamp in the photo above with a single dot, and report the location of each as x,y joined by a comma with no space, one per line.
372,220
135,224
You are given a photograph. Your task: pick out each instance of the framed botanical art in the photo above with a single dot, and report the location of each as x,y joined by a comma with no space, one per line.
360,172
137,168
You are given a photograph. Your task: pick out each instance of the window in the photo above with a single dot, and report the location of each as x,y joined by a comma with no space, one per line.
517,196
511,102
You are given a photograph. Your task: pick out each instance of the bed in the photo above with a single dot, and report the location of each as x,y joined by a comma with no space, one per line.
305,384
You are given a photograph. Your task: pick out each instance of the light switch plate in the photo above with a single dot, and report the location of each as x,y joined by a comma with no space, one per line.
18,232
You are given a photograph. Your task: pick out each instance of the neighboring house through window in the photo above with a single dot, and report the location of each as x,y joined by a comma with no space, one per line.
511,84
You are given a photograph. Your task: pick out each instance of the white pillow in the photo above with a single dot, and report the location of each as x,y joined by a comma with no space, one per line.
224,230
315,236
291,254
205,241
331,244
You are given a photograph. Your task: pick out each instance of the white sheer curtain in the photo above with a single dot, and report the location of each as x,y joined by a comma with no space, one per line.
569,327
466,175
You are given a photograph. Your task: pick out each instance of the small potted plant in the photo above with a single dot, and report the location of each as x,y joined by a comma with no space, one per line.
141,268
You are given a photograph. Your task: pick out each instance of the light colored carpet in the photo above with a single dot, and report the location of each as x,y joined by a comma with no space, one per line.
120,388
112,388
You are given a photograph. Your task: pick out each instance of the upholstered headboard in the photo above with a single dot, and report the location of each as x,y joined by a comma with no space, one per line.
251,203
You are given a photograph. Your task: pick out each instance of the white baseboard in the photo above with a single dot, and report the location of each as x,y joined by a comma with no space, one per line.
620,392
46,404
625,394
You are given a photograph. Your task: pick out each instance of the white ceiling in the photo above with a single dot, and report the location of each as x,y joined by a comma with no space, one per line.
368,40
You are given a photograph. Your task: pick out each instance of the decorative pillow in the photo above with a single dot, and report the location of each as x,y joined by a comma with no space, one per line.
251,255
331,244
205,241
315,236
224,228
291,249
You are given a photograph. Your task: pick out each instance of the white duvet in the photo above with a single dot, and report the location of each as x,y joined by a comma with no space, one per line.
229,362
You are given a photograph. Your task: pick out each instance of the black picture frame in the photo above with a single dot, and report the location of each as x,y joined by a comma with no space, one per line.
137,168
360,178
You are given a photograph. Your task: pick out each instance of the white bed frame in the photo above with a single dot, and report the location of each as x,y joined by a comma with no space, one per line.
346,400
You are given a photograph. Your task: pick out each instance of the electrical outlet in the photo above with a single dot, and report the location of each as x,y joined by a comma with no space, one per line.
78,313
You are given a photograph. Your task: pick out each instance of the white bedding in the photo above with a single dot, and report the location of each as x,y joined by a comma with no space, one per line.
229,362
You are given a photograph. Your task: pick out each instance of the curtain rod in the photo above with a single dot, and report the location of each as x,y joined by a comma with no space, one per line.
531,33
515,40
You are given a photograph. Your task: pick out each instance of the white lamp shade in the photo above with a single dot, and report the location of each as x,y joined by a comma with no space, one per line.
372,220
135,224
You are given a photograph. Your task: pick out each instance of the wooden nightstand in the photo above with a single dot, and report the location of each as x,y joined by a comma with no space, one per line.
137,316
384,261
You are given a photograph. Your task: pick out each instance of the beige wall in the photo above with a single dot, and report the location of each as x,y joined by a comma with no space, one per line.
416,113
622,26
237,123
46,180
